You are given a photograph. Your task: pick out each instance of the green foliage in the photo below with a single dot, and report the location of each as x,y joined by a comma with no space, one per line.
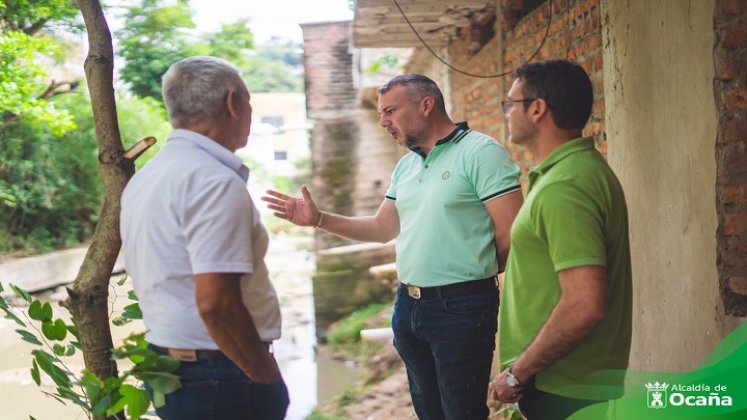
124,394
386,61
232,43
262,75
349,329
20,83
153,37
50,189
31,16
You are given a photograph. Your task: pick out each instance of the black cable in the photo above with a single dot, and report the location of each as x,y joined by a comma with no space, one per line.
466,73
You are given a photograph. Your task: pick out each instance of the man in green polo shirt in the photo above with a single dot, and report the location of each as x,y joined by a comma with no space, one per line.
450,205
566,309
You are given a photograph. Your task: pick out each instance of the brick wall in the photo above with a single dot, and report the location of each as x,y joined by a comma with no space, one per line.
730,91
575,34
330,103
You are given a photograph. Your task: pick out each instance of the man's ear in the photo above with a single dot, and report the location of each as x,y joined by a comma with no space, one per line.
427,104
231,104
538,109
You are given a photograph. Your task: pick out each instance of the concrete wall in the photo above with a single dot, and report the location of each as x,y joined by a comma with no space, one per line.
661,130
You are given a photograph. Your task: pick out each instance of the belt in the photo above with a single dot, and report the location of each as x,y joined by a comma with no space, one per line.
463,288
190,355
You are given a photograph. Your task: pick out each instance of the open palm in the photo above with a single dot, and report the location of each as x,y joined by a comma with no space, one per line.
299,211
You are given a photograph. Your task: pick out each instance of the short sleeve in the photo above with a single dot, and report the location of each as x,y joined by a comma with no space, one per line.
391,192
492,172
571,223
217,225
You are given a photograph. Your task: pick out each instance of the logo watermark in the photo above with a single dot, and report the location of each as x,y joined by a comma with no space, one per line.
661,395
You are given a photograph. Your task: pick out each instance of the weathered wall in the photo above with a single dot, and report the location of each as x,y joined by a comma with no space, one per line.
661,127
575,34
330,104
730,92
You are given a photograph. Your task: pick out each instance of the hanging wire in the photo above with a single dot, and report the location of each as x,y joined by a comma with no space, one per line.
466,73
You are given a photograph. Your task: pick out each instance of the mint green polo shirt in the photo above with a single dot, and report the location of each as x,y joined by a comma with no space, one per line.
446,234
574,215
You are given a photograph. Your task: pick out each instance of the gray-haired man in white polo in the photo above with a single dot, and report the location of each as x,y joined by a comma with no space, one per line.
194,248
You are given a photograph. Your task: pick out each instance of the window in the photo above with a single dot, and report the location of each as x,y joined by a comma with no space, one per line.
281,155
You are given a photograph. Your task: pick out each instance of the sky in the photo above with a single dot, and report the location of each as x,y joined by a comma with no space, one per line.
268,18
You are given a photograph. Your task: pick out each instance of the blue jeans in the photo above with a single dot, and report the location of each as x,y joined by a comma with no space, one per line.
218,389
447,345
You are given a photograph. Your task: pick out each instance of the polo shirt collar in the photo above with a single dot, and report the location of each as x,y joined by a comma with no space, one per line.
456,134
568,148
220,153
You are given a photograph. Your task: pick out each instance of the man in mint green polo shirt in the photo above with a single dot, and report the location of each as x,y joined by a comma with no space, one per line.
566,309
450,205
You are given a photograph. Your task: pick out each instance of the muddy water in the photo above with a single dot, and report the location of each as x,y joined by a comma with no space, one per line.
311,378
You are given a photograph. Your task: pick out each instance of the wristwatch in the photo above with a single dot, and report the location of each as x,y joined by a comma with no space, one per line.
511,379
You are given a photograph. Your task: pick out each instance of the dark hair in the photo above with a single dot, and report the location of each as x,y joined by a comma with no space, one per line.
565,87
418,86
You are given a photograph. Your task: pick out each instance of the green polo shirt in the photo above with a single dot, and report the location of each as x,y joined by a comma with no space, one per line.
446,234
574,215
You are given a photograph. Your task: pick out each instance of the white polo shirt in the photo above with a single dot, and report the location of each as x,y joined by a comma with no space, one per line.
187,212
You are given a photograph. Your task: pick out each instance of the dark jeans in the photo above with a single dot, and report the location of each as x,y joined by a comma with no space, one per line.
218,389
541,405
447,345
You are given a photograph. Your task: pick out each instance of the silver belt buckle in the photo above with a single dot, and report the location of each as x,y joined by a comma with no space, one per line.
413,291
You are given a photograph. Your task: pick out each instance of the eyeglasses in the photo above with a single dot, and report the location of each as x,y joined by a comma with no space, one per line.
508,104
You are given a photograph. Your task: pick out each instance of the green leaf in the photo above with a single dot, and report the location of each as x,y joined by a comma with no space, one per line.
132,311
74,331
21,293
35,311
47,308
47,364
122,280
70,350
56,330
138,401
73,396
93,387
58,349
40,311
162,381
131,294
159,399
11,315
29,337
35,372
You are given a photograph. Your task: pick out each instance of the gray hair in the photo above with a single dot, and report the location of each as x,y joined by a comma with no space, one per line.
195,89
418,87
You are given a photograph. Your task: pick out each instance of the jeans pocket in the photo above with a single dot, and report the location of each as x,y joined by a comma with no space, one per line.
474,303
269,401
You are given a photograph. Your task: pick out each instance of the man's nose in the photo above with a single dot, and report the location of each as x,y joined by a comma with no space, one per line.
383,121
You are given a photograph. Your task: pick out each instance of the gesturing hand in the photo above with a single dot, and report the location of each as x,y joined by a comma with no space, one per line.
299,211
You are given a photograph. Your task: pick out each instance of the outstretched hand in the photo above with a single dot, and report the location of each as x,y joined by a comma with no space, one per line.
299,211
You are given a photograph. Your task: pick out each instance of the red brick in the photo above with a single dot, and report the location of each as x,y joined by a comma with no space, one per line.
733,194
734,98
733,35
731,7
738,285
735,224
735,127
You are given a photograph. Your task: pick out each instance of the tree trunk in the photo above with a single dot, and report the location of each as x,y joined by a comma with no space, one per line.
88,297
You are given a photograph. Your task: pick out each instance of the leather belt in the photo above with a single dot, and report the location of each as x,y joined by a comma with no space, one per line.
455,289
190,355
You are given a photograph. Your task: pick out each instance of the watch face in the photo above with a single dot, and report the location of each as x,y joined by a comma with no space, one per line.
511,381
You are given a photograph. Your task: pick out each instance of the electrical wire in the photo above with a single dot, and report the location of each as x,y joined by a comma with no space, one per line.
466,73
